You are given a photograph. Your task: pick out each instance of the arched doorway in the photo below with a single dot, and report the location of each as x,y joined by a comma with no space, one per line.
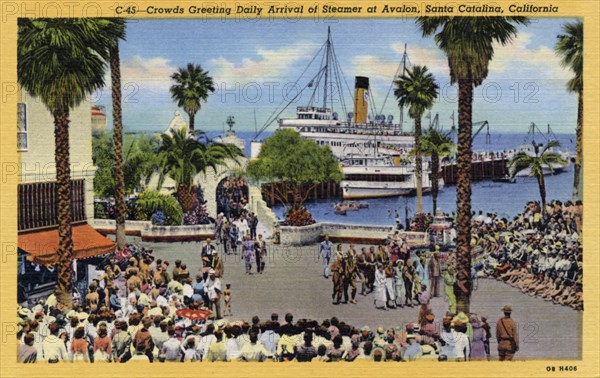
232,196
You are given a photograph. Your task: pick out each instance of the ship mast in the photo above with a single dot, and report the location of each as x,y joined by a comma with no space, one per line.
404,56
327,53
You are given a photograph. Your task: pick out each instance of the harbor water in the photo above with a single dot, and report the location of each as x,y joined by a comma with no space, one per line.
504,199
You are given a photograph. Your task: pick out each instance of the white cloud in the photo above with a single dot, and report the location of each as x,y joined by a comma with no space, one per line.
150,71
520,60
384,70
270,64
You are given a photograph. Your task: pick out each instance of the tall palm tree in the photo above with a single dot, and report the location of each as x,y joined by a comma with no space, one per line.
537,163
115,30
570,48
61,61
417,90
468,42
436,145
182,158
192,86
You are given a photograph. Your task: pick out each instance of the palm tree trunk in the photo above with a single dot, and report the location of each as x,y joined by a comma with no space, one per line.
65,215
463,191
192,122
435,166
419,165
542,187
115,76
578,166
185,197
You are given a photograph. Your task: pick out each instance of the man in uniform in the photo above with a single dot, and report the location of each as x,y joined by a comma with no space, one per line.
507,336
337,272
370,264
362,268
325,248
434,273
350,273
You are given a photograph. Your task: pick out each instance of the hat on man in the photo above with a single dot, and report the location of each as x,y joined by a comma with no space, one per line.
366,329
506,308
220,324
24,313
380,330
71,314
83,316
462,317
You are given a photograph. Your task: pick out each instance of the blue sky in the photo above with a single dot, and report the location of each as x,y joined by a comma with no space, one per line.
252,63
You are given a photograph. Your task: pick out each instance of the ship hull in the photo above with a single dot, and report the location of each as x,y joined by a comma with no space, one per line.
361,190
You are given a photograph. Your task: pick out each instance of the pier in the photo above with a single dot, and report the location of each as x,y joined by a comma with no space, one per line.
487,169
328,189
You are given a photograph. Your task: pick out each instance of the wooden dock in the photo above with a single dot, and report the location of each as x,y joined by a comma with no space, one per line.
480,170
488,169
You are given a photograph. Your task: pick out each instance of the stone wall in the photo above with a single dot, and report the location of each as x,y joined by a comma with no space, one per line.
300,235
266,217
154,233
344,233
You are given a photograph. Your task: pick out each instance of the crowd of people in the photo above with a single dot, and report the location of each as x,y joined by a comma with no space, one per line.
158,334
138,310
232,197
538,252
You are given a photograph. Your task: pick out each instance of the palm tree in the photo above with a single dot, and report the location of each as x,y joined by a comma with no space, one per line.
540,160
192,86
436,145
468,42
570,48
417,90
182,158
115,30
61,61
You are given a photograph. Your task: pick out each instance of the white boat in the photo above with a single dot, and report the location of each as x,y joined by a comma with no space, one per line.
553,170
373,150
528,148
378,176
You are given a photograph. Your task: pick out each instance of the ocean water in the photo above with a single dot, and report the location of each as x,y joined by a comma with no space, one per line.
507,200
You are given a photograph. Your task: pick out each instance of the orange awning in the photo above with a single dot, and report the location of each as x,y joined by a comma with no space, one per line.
42,245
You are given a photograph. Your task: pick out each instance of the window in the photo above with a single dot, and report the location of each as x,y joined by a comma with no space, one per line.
21,127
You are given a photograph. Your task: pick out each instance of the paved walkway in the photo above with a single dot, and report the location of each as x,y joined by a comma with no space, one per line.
293,282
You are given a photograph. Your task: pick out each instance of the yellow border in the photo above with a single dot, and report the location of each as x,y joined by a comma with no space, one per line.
588,366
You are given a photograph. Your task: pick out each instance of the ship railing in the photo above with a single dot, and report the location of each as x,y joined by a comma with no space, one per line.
304,109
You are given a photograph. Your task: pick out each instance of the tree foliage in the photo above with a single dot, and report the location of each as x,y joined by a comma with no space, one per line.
150,202
287,158
182,158
570,48
192,87
417,90
542,159
140,161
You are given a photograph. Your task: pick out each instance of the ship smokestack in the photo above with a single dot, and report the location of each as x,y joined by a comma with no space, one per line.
361,99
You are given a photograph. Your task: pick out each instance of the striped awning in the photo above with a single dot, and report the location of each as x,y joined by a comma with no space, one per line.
42,245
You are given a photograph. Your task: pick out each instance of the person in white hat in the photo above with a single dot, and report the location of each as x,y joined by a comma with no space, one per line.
213,290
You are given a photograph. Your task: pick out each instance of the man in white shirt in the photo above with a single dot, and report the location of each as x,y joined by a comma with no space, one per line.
213,290
462,346
171,349
254,350
204,341
54,347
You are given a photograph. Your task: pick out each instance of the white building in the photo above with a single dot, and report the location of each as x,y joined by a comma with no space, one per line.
37,206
